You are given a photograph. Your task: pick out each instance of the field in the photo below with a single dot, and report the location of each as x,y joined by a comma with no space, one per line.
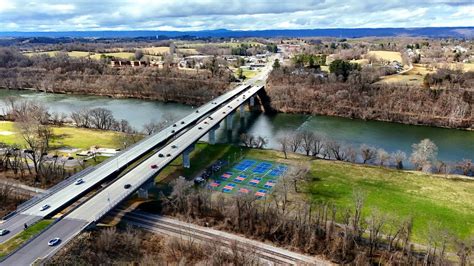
429,199
386,55
123,55
65,137
156,50
413,77
248,176
53,53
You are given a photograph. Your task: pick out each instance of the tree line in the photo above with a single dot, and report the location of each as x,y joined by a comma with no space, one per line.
290,219
423,156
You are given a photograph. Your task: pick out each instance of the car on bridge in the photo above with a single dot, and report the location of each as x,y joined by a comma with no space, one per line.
4,232
79,181
44,207
127,186
154,166
54,241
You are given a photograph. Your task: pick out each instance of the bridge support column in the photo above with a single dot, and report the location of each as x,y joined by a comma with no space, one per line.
186,158
242,111
212,134
252,101
228,121
143,190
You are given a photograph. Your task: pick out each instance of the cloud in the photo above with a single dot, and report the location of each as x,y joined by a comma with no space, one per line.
49,15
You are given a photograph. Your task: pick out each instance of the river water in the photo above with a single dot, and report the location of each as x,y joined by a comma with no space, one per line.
454,145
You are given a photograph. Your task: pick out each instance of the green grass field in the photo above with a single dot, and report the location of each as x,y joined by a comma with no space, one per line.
79,138
16,241
245,177
427,198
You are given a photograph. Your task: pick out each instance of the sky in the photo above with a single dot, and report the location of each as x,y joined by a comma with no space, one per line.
191,15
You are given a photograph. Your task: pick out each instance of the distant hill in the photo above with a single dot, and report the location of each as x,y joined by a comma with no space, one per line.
434,32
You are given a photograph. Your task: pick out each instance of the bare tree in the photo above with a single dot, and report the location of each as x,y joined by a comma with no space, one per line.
101,118
259,142
336,150
382,156
398,157
82,118
318,145
295,141
307,143
247,140
368,153
285,142
37,138
466,166
424,154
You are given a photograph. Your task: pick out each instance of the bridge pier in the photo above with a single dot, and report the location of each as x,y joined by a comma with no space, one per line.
212,134
242,111
228,121
252,101
186,158
143,190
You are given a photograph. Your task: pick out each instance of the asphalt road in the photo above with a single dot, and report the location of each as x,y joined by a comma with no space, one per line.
16,224
70,192
65,229
95,207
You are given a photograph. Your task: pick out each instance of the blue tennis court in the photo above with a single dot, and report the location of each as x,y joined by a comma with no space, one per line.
262,167
279,170
244,165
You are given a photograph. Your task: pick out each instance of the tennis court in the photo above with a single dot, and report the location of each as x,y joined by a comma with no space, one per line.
248,176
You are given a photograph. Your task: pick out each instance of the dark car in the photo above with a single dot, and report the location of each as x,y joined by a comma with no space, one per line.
182,122
154,166
169,154
161,155
127,186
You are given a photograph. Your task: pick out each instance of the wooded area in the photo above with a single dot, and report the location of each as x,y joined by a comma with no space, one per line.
445,101
64,74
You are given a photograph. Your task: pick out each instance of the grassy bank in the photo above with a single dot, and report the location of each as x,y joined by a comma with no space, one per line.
429,199
16,241
65,137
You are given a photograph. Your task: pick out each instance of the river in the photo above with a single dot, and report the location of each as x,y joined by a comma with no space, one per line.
454,145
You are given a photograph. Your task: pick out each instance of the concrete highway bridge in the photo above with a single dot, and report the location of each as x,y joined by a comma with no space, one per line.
176,140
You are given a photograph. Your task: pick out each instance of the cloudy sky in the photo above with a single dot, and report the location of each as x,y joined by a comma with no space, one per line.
72,15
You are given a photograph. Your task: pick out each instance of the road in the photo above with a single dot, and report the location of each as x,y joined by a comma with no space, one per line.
98,205
66,192
268,254
105,200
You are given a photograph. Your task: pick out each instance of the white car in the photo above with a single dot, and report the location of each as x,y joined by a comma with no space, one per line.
4,232
79,181
44,207
54,241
